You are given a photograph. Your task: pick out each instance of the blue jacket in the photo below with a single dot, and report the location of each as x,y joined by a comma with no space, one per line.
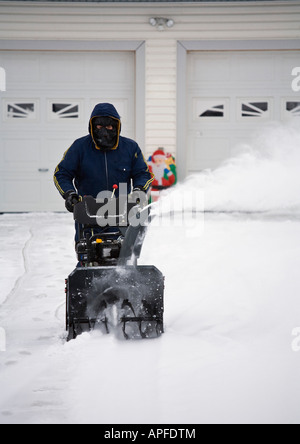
87,169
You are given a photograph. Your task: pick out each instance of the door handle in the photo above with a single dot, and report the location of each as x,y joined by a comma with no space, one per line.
43,170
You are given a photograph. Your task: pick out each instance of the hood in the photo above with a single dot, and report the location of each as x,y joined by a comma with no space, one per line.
105,110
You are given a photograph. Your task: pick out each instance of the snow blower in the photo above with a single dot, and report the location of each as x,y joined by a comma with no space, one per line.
108,290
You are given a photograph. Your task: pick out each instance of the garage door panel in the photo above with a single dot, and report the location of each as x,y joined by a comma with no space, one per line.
208,148
57,69
211,67
23,192
112,69
49,194
22,154
20,69
55,147
47,105
253,68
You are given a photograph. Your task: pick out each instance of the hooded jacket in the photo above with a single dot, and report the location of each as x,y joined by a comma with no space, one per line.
87,170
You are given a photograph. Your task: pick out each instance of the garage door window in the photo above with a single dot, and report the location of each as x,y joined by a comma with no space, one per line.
254,109
20,110
67,110
207,109
214,111
293,108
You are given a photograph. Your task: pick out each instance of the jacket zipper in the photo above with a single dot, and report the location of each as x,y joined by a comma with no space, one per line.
106,168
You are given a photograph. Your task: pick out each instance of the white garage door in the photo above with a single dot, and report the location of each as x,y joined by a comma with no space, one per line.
230,96
48,100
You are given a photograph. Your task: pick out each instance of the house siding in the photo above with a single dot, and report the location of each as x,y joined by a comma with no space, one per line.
161,94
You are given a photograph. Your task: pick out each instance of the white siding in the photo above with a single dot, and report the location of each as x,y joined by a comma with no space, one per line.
161,95
113,21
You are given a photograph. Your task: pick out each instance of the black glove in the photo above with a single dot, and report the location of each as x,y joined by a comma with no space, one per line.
72,199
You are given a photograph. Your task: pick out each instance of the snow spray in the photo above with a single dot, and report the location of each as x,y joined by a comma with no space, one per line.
183,208
263,177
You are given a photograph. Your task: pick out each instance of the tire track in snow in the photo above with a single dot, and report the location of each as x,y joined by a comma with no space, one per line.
32,345
57,313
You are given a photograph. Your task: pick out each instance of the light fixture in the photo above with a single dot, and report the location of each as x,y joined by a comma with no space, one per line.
161,23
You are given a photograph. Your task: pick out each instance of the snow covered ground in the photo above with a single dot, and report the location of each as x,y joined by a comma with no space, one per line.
232,301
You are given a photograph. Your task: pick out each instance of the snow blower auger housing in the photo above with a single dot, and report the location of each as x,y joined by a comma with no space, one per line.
108,290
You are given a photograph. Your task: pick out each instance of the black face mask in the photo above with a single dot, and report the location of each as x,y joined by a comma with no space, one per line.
105,137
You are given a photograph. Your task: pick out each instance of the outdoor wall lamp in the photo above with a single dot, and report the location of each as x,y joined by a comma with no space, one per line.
161,23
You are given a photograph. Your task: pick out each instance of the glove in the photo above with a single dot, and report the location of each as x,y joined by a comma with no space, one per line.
142,199
72,199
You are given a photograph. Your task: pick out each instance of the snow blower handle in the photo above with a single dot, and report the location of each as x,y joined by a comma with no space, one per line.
115,187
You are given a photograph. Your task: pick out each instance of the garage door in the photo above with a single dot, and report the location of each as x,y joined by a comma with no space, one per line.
231,95
48,100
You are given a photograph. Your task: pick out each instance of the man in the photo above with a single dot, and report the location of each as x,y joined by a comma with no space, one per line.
101,160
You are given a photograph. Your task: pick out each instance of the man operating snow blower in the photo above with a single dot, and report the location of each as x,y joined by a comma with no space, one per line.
108,290
100,160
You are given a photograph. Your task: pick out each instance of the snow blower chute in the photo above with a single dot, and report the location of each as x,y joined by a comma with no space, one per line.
108,290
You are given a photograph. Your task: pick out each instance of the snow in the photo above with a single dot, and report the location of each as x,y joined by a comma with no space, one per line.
264,177
231,305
